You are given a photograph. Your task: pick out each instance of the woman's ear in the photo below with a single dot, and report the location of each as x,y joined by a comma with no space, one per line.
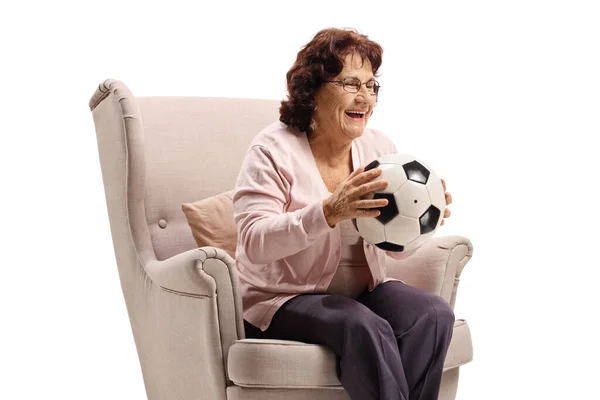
312,125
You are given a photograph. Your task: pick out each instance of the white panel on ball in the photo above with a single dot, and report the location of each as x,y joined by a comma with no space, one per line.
402,230
394,175
436,192
412,199
371,230
397,158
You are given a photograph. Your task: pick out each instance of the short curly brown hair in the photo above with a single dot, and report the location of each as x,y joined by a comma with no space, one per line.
322,59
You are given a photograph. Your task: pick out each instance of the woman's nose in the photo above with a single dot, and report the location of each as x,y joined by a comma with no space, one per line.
364,97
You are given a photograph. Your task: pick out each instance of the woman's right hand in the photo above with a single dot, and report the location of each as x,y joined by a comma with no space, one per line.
346,202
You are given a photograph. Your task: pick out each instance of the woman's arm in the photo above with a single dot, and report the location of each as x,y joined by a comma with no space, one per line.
267,233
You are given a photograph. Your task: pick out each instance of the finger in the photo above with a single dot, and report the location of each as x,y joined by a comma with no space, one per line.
369,187
448,198
371,203
444,184
367,213
366,176
443,221
356,172
447,213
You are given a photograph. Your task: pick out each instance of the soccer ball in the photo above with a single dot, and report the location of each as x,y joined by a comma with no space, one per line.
416,203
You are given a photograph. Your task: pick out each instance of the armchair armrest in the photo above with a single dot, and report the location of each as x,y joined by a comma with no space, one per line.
205,272
201,272
435,267
183,273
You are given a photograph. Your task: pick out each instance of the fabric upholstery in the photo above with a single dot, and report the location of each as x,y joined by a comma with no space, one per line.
288,364
436,267
185,139
245,393
211,222
184,305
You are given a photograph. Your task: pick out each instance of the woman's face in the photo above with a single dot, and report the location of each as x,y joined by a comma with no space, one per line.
342,113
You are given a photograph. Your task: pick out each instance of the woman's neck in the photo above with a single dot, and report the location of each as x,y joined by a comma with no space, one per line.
330,152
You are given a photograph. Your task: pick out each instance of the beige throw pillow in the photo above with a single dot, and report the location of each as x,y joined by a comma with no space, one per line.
211,221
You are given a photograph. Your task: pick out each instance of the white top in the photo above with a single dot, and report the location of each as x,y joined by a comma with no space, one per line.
352,275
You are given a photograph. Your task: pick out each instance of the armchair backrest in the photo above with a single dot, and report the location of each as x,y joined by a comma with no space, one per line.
174,150
155,154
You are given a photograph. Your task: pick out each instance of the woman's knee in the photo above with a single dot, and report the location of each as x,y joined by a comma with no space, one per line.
433,308
365,323
441,311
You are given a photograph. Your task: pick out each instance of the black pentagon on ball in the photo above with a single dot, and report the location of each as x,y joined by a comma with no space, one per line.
387,246
355,224
416,172
387,213
428,221
372,165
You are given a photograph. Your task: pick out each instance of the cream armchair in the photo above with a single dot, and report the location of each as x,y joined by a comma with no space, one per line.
183,301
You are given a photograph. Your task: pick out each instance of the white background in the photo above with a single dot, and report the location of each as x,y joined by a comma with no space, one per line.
501,98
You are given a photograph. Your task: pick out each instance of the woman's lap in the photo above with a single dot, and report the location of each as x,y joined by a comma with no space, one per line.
323,318
318,318
402,305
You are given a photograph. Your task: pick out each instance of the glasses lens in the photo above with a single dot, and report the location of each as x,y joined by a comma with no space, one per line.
373,87
351,85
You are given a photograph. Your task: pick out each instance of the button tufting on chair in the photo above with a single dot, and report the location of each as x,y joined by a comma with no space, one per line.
162,223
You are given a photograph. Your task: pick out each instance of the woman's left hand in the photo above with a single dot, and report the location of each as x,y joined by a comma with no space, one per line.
448,202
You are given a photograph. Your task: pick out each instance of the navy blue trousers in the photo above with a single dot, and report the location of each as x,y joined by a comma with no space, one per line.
391,343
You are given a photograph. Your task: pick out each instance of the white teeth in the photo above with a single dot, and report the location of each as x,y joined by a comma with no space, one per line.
356,112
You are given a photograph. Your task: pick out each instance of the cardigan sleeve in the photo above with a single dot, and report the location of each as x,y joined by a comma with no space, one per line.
266,232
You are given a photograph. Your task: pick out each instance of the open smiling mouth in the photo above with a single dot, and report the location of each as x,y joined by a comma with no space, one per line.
356,115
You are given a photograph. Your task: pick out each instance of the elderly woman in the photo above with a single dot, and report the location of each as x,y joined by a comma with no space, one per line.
305,273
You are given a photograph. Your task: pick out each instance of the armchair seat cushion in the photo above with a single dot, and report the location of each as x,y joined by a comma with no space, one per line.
269,363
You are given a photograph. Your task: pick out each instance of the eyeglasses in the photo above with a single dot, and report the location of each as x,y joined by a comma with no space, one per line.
353,85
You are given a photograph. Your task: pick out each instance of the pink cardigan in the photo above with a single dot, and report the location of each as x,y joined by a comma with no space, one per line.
285,246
